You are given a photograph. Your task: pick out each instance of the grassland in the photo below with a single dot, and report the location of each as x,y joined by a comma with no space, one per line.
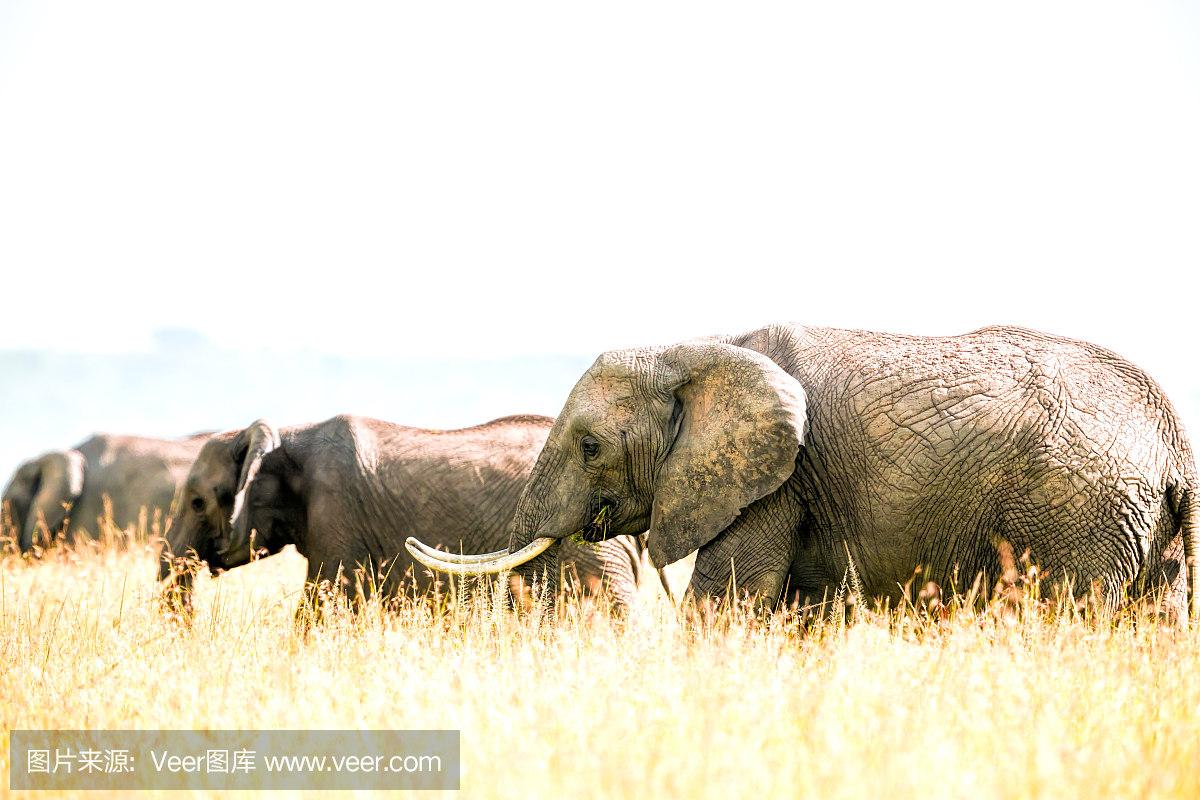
1007,699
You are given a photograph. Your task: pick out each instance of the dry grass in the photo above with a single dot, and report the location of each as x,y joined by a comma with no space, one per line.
1010,700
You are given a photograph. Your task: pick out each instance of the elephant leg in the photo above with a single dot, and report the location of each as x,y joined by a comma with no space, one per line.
810,584
751,558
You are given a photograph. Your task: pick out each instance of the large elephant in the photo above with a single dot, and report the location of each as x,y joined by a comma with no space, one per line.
782,453
348,491
70,486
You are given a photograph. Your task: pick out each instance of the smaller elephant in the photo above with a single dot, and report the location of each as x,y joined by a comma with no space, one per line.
68,487
348,491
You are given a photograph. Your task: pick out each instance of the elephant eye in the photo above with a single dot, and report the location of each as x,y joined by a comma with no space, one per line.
590,448
198,505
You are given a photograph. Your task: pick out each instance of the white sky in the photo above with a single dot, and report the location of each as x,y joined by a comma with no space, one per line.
450,178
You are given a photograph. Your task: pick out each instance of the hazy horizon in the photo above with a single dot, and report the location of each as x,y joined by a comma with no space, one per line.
53,400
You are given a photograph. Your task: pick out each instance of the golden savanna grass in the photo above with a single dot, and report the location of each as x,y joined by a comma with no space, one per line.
1005,699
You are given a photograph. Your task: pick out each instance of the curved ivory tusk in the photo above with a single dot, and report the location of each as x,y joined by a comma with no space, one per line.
455,558
506,562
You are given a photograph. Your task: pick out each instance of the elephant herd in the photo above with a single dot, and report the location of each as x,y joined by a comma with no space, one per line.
780,457
344,492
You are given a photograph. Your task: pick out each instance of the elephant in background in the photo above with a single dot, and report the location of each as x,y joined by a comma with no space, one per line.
69,486
781,454
348,491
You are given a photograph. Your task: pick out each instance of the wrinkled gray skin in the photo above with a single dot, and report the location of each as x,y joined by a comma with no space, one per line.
779,452
347,492
134,472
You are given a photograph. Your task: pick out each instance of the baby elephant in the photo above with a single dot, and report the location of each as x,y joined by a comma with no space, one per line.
347,492
68,487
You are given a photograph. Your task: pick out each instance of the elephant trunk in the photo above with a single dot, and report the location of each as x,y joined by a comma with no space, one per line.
181,555
55,483
176,591
540,522
537,580
175,580
539,575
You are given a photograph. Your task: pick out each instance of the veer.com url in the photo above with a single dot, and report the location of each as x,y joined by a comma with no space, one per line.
353,764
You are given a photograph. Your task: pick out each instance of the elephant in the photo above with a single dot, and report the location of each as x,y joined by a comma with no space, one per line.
348,491
70,486
783,455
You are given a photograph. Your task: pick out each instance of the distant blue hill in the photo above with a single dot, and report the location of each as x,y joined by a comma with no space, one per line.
53,400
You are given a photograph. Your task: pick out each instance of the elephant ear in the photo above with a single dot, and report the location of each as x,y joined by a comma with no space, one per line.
740,423
248,448
58,478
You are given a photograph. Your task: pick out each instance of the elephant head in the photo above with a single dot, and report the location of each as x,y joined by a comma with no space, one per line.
41,493
676,441
211,522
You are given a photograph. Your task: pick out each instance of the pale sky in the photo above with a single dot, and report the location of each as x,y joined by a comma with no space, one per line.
490,179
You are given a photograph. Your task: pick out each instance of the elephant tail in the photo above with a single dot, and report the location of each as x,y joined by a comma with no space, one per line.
1187,512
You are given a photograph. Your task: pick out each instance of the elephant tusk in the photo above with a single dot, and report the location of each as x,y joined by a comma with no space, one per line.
505,562
454,558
